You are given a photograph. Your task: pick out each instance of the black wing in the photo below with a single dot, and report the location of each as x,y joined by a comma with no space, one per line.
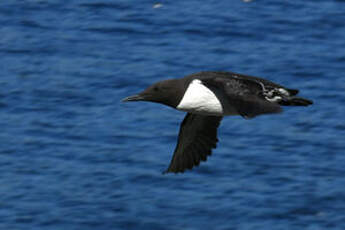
231,75
197,138
245,95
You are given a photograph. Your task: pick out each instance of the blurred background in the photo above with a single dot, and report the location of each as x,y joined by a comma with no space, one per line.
72,156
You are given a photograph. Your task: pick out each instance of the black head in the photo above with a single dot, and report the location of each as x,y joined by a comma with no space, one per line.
168,92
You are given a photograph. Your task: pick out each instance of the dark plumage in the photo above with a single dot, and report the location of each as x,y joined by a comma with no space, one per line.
207,97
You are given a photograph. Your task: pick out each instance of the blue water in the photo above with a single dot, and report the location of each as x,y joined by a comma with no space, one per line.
72,156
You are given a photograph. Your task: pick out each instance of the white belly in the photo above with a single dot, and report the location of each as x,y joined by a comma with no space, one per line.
201,100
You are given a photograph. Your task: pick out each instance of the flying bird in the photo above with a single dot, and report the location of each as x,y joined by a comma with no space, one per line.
209,96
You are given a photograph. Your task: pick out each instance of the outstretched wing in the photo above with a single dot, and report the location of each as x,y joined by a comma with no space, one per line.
197,138
247,96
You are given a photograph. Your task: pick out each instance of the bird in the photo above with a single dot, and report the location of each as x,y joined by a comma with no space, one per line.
207,97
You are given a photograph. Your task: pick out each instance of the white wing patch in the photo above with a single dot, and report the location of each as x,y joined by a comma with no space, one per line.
200,99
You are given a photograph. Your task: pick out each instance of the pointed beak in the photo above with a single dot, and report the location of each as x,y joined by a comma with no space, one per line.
133,98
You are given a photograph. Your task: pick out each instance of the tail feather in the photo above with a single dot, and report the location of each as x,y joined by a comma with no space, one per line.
285,96
293,92
295,101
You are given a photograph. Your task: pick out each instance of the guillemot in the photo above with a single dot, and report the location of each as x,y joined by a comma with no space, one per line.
209,96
